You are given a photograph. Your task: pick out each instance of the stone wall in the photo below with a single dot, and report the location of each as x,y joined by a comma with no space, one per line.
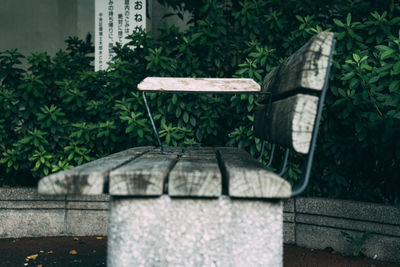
318,223
24,213
308,222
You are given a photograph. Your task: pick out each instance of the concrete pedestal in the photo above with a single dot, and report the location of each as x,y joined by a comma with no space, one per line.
194,232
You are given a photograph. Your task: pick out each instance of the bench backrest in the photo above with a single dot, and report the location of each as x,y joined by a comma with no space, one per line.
293,93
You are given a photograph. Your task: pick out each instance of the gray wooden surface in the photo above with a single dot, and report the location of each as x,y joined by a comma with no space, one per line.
144,176
287,112
290,122
196,174
247,178
146,171
89,178
306,68
205,85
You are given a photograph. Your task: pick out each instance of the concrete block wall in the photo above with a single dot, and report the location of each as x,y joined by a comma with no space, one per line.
318,223
25,213
308,222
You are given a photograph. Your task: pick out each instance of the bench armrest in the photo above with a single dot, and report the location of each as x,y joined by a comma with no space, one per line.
199,85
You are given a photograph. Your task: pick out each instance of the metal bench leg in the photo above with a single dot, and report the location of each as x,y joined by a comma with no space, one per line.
152,122
284,162
271,157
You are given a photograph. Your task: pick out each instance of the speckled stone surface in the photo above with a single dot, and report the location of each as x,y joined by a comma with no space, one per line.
194,232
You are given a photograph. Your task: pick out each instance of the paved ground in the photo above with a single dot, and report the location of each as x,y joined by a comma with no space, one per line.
91,251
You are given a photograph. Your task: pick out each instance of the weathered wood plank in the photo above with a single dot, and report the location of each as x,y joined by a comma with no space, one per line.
205,85
289,123
89,178
196,174
306,68
247,178
145,176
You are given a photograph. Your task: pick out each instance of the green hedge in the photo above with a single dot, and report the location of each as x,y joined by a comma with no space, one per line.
59,113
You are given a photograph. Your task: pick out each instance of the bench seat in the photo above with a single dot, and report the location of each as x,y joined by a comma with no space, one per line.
177,172
200,206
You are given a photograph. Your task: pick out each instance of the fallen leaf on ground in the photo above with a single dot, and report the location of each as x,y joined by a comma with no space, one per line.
32,257
99,237
73,252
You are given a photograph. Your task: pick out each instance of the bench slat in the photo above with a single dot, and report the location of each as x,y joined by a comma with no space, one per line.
290,122
89,178
247,178
198,85
306,68
196,174
145,176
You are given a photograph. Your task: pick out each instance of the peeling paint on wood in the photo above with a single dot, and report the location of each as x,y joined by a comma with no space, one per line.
205,85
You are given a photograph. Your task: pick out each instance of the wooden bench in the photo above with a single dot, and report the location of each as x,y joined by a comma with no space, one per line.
209,206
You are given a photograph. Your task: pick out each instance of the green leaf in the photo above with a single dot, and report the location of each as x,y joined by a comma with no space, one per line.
394,86
299,18
354,83
348,76
241,71
193,121
185,117
366,67
396,68
338,22
196,35
140,133
178,112
341,35
356,57
387,54
374,79
348,19
382,48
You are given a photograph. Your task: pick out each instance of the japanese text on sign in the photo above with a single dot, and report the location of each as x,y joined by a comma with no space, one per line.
114,21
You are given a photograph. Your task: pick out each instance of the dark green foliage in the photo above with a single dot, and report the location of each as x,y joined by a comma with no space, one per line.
60,113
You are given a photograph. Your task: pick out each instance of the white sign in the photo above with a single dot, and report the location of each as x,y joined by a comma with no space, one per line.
114,21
